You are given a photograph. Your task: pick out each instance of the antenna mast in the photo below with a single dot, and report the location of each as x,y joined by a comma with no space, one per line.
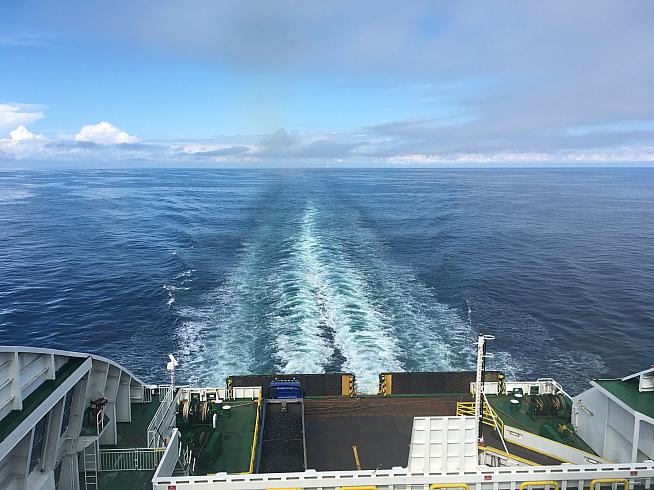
479,383
172,364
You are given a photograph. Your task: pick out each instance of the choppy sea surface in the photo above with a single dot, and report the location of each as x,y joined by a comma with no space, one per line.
364,271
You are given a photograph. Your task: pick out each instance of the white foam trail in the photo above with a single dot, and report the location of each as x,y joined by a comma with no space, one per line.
185,275
429,334
216,339
469,313
171,294
171,290
331,300
315,291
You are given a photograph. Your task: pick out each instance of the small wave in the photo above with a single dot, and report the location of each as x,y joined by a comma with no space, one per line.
10,195
185,274
171,292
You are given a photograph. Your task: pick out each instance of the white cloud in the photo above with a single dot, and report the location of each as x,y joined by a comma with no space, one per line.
104,133
615,156
12,115
101,143
21,133
23,144
472,158
508,157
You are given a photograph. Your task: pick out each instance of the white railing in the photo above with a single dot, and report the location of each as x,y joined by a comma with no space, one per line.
579,477
154,428
251,392
170,457
133,459
99,421
220,393
544,385
165,391
557,387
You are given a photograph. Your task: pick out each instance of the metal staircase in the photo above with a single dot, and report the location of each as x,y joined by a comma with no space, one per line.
90,461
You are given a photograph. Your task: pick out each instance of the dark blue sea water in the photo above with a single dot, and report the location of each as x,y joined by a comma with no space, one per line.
317,270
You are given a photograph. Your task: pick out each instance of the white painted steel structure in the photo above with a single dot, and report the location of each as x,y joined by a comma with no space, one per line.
46,441
504,478
615,430
441,444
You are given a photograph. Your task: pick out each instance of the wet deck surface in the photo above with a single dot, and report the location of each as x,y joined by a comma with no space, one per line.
380,428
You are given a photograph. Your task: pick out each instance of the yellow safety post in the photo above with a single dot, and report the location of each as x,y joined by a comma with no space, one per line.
544,483
600,481
255,438
347,385
385,384
449,485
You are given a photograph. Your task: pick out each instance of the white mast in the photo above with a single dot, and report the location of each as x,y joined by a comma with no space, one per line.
479,383
172,364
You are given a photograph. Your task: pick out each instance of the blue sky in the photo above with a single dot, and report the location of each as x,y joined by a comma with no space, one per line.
326,83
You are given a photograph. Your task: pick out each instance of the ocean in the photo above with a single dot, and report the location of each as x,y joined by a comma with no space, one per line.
362,271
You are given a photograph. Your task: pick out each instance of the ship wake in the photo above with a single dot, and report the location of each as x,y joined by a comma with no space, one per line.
316,292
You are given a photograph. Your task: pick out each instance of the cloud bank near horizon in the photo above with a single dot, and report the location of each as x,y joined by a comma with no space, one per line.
531,82
103,143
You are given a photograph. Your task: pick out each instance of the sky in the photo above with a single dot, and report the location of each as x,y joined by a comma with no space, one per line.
326,83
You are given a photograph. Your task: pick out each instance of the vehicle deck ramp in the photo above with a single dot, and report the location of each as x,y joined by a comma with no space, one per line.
282,447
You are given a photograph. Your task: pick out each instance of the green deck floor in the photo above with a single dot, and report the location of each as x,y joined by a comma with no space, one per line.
123,480
627,391
238,434
135,433
523,420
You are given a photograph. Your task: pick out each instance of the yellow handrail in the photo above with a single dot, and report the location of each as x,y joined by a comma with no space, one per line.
490,417
544,483
449,485
255,438
599,481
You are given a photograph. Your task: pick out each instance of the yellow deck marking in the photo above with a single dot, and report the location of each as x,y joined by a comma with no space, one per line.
356,457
